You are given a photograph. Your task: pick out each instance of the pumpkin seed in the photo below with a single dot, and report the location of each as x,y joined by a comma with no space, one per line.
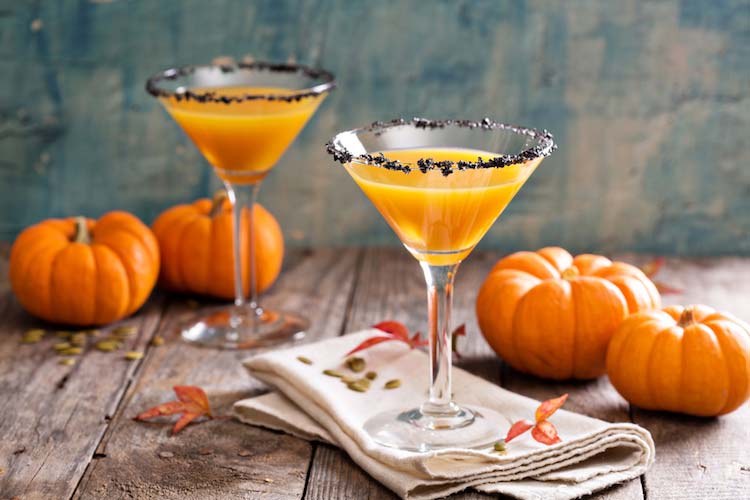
63,335
356,364
133,355
365,382
303,359
92,333
333,373
157,341
67,362
357,386
108,345
124,331
32,336
267,480
347,379
393,384
78,339
371,375
61,346
70,351
500,446
166,454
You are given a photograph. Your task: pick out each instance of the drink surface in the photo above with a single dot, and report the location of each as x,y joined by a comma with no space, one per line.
440,219
242,140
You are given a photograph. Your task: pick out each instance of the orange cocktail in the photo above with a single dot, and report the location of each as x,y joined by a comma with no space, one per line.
440,218
243,140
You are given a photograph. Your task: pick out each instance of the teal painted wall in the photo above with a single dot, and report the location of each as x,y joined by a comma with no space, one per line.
649,101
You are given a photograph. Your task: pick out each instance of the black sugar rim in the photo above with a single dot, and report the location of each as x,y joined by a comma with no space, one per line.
327,84
544,147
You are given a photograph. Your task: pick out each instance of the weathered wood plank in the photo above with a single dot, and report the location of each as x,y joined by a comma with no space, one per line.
52,417
702,457
219,459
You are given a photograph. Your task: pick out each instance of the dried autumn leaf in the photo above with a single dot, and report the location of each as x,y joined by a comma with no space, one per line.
193,403
517,429
547,408
392,330
458,332
651,268
545,432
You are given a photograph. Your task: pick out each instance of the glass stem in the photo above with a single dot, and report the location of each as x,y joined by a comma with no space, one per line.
439,303
244,196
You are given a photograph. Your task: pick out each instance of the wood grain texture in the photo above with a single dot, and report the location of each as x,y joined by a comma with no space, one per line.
55,427
648,100
52,416
223,457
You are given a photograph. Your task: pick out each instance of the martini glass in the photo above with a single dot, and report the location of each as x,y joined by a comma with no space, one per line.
440,185
242,117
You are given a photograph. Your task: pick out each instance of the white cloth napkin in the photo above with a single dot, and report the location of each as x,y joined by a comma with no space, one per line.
593,454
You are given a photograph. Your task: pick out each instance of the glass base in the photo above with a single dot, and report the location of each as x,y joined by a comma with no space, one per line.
415,430
241,328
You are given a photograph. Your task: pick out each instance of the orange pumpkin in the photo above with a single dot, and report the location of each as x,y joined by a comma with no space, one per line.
80,272
552,315
196,246
691,360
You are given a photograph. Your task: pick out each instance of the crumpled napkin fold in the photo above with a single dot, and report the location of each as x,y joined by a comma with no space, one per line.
593,454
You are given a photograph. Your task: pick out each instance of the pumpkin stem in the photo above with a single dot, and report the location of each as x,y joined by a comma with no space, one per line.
82,231
571,273
217,203
687,317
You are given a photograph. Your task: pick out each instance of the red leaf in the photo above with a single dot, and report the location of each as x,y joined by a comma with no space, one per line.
392,330
545,432
651,268
547,408
517,429
371,342
193,403
458,332
665,289
395,328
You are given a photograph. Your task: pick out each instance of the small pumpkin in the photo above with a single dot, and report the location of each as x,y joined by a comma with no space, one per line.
81,272
691,360
197,252
552,315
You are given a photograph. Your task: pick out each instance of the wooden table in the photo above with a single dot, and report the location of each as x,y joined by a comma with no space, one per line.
67,430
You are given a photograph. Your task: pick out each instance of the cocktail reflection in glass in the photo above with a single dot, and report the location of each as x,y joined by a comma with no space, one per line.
242,117
440,185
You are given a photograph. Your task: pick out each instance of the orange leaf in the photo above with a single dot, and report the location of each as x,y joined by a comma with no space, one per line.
517,429
193,397
547,408
545,432
193,403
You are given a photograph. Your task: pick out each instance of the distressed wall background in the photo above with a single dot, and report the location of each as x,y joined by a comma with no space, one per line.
649,101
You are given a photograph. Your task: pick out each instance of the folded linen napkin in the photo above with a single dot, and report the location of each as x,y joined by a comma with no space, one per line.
593,454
